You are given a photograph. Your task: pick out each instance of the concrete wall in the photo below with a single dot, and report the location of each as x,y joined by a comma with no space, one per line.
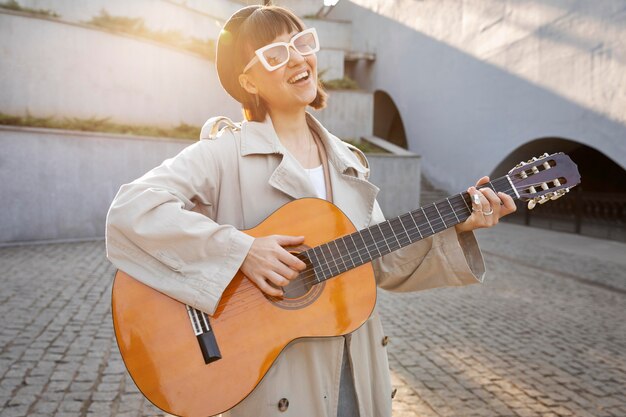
475,80
52,68
398,178
348,114
191,18
59,184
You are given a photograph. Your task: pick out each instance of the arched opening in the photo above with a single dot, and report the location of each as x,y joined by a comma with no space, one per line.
596,207
387,121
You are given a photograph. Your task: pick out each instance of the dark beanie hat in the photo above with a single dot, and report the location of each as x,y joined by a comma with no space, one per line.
225,59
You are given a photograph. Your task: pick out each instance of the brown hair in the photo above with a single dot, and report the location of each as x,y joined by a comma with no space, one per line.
248,30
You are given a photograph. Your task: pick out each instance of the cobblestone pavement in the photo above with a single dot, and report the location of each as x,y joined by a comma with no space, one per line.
545,335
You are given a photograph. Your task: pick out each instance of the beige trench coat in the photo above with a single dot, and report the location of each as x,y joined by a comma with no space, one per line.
177,229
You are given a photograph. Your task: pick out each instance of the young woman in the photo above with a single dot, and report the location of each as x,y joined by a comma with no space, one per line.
177,228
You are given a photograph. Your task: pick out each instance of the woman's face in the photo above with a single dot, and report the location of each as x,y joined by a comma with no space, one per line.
278,88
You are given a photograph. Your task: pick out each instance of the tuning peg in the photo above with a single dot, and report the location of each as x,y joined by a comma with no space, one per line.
545,155
531,204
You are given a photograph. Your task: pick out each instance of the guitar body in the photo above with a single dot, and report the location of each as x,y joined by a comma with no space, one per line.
191,364
162,354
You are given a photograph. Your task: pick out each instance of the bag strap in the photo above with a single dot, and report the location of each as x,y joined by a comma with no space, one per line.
212,127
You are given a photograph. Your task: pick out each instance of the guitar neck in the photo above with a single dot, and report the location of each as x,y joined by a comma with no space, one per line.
350,251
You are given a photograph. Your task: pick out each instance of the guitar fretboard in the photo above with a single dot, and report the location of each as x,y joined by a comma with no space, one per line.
350,251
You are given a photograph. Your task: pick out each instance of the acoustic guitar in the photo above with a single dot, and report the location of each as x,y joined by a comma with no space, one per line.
188,363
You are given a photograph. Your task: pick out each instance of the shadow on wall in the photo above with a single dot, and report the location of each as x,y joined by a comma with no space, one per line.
387,120
464,115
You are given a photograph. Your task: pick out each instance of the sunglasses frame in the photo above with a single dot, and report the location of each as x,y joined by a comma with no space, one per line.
291,44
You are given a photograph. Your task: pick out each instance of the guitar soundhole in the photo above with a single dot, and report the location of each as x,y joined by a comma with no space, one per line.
302,290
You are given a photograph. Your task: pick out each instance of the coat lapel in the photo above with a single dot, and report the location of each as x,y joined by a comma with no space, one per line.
288,177
353,194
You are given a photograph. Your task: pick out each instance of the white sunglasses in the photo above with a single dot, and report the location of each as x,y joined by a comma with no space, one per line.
275,55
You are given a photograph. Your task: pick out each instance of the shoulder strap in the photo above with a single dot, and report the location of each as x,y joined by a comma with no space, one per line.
359,154
211,128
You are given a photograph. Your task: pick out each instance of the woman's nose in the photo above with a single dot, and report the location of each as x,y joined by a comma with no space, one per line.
295,57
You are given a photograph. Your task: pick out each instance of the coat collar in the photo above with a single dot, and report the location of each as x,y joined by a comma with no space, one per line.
351,193
261,138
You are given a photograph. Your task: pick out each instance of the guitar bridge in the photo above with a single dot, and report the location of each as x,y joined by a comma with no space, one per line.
204,334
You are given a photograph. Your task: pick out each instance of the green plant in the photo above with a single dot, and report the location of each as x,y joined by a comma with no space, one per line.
365,146
14,5
345,83
94,124
136,26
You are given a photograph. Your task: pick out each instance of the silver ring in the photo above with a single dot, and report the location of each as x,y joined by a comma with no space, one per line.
488,213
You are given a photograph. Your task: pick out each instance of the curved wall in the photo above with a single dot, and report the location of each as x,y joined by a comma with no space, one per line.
473,83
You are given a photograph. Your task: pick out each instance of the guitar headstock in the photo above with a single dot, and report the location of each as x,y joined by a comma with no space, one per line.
545,178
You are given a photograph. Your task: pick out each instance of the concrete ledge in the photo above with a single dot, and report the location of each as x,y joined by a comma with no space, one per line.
388,146
59,184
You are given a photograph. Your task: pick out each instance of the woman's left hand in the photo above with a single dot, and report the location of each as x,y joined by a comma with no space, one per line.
489,208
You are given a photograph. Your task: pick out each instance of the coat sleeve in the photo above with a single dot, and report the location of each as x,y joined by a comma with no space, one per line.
153,235
445,259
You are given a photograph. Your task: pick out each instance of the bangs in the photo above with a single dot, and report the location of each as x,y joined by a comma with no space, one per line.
262,27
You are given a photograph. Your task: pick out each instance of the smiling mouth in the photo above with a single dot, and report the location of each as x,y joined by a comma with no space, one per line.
300,77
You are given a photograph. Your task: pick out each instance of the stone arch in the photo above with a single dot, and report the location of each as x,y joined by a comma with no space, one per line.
388,123
596,207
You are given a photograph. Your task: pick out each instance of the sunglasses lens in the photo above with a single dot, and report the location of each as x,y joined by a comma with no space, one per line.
276,55
305,44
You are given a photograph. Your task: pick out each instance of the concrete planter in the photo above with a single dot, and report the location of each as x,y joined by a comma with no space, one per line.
58,184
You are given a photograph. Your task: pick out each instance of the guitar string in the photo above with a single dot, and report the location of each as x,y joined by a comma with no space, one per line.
309,273
374,244
325,266
244,303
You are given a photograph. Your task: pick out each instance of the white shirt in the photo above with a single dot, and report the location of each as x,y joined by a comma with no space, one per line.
316,175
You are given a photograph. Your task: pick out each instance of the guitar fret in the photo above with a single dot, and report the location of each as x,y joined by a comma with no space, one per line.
310,253
465,201
385,228
353,249
332,263
402,236
367,256
343,253
439,213
336,254
369,229
426,217
412,215
453,211
406,230
382,239
326,265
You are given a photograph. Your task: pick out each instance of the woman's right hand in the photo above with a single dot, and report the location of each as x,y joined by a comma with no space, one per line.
268,262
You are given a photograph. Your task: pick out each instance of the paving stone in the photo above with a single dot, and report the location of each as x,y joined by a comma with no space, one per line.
545,334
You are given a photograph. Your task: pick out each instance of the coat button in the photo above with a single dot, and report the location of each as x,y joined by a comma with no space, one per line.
385,341
283,404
